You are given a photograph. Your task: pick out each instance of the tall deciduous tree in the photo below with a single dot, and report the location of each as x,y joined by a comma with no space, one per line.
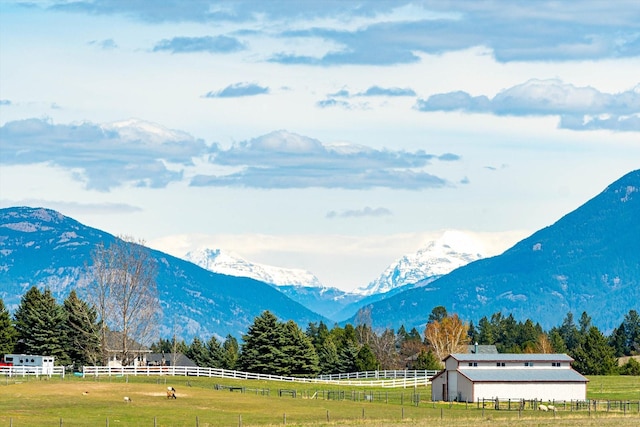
40,323
82,331
8,333
447,336
123,288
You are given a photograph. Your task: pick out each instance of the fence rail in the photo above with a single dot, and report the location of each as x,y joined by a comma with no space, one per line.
189,371
386,374
21,371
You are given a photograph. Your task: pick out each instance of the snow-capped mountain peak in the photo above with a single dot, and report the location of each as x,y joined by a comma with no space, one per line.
232,264
437,258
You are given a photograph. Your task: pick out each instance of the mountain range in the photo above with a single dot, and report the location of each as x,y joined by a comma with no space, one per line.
438,257
45,248
589,260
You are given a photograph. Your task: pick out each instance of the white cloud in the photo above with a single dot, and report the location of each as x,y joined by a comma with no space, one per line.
578,107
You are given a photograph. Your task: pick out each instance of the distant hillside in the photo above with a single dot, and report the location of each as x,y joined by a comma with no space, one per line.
589,261
44,248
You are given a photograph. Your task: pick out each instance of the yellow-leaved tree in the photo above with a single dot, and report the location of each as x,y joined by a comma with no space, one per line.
447,335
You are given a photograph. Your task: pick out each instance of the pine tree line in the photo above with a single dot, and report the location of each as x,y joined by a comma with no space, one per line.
71,332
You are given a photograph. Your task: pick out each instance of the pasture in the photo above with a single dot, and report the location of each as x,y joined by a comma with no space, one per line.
30,401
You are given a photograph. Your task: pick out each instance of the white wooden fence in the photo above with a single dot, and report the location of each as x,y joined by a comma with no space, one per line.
387,374
224,373
21,371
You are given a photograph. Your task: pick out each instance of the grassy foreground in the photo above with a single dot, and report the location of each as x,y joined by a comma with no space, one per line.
86,402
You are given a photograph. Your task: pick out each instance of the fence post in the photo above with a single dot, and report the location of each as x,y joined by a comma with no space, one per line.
327,415
197,422
240,420
402,414
363,413
284,418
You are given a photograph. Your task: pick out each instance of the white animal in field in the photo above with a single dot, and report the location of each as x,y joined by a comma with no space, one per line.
543,408
127,399
551,408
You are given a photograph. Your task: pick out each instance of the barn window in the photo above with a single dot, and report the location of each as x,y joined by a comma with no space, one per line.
528,363
473,364
556,364
499,364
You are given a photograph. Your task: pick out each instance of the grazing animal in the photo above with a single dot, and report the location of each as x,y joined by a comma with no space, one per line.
543,408
84,393
171,393
551,408
127,399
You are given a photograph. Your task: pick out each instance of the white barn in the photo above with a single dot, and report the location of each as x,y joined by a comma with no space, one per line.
469,377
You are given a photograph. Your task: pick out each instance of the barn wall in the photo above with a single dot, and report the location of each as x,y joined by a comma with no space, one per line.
544,391
436,388
452,386
465,389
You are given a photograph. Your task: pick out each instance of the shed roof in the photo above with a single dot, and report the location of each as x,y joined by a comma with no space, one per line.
510,357
481,349
523,375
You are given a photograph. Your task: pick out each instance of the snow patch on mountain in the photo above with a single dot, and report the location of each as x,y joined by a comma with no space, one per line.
439,257
232,264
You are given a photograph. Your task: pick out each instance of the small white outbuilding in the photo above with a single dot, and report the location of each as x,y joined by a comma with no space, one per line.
30,363
469,377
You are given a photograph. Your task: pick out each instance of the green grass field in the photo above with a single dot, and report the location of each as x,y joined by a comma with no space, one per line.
86,402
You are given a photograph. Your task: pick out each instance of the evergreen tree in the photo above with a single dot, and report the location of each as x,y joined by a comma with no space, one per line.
300,358
41,323
569,333
230,353
557,342
82,331
428,360
261,351
632,367
215,353
328,358
585,323
198,353
366,360
414,335
528,337
318,334
437,314
162,346
618,341
8,333
473,333
486,332
594,356
348,355
631,325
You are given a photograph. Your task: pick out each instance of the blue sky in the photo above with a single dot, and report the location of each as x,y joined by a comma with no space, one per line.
334,136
